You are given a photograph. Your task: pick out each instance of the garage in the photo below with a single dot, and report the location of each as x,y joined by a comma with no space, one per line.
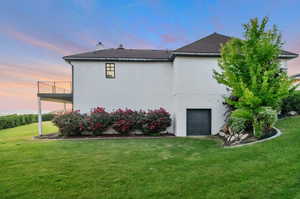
198,122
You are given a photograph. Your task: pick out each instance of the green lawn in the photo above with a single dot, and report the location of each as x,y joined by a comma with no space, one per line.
148,168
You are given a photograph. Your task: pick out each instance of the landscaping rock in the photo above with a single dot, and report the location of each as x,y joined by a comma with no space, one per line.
233,139
222,134
292,113
244,136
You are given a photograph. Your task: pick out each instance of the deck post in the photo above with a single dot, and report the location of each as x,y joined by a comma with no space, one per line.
40,117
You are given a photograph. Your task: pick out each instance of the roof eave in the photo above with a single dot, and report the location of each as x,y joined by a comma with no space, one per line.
116,59
196,54
288,56
218,55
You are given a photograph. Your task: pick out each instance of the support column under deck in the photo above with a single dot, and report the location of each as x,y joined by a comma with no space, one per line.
40,117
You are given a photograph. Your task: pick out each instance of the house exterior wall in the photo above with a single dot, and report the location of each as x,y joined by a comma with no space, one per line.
283,64
195,88
137,85
185,83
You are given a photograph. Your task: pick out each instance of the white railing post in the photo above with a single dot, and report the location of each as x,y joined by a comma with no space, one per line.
40,117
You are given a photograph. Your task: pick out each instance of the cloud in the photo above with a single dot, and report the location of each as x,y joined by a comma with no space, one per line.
35,42
35,71
18,87
217,24
63,48
135,41
169,38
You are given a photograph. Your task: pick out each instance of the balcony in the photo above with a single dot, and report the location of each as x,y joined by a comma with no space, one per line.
55,91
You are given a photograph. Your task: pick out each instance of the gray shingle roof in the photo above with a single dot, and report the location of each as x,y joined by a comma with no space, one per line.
123,54
295,76
207,46
211,46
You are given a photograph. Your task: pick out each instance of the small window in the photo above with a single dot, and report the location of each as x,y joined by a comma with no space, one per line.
110,70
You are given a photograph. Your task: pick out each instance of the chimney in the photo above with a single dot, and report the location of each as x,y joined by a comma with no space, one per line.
99,46
121,46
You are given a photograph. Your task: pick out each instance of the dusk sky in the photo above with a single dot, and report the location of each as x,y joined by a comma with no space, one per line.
36,34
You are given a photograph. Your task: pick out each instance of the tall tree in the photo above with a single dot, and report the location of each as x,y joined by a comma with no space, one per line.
250,68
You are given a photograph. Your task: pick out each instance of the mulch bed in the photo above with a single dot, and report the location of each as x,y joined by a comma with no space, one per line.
57,136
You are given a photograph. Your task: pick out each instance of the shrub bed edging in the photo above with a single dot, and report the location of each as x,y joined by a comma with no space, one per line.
278,133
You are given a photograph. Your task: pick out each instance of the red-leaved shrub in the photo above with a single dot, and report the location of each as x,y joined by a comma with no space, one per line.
122,121
156,121
69,123
123,126
97,122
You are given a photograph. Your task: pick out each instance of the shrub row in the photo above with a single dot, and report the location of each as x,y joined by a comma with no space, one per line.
122,121
9,121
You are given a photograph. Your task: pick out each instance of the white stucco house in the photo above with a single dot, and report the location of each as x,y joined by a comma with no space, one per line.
296,80
181,81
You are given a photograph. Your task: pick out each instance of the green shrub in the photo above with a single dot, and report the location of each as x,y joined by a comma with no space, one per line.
46,117
266,119
258,122
291,103
69,123
240,121
10,121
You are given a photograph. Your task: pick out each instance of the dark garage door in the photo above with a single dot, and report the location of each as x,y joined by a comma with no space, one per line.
198,121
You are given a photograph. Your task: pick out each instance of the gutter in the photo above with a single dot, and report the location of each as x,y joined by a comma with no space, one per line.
218,55
174,54
196,54
114,59
288,56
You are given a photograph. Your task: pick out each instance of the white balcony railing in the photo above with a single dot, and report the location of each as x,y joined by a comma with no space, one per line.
54,87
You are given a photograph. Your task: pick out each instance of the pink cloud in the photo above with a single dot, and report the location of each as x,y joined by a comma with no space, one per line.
34,72
136,42
64,47
35,42
217,24
18,84
22,96
170,38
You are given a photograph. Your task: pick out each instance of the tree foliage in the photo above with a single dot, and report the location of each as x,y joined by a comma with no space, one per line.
250,68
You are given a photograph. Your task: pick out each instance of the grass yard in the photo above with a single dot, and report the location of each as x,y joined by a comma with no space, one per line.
148,168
